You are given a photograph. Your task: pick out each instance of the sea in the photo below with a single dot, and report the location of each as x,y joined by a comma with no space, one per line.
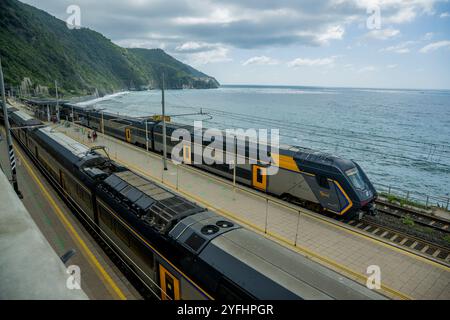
401,138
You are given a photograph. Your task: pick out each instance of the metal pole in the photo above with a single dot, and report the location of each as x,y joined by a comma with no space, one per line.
177,175
48,113
234,167
103,123
235,161
73,116
164,126
146,134
57,102
12,159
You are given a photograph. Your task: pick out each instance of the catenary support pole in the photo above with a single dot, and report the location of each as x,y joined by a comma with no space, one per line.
12,159
164,126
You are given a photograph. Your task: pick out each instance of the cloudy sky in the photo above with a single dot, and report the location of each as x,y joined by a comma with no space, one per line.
356,43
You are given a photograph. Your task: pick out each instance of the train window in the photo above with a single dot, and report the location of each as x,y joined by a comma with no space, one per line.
105,217
243,173
323,182
259,175
355,178
142,251
84,196
122,233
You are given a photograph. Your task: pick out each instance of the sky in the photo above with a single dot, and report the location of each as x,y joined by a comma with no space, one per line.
339,43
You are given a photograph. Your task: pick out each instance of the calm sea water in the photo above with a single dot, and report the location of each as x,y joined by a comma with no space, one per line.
399,137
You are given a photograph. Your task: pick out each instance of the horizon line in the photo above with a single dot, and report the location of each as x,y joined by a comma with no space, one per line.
331,87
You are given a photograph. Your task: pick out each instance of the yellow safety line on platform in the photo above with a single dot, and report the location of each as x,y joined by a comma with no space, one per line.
72,230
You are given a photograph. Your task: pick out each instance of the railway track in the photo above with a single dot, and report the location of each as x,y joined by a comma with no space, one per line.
414,244
112,254
418,217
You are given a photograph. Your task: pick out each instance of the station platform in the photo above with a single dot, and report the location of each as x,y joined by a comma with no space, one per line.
36,231
29,268
403,274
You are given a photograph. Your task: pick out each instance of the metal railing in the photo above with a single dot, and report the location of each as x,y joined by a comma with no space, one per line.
412,197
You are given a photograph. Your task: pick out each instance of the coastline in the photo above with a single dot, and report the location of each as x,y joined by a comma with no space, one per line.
106,97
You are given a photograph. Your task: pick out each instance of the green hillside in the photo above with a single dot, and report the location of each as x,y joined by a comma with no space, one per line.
39,46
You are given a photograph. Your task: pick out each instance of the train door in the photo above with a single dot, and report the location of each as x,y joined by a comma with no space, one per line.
170,286
128,134
259,177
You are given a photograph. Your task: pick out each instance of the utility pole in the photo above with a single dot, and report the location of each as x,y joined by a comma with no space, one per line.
57,101
146,134
103,122
12,159
164,126
235,162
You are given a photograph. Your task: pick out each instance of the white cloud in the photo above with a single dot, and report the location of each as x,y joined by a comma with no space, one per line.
260,60
392,66
200,53
435,46
444,15
192,46
407,14
219,54
399,48
299,62
332,33
383,34
235,23
217,16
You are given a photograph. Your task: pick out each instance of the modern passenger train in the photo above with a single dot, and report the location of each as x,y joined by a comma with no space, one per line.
179,249
315,180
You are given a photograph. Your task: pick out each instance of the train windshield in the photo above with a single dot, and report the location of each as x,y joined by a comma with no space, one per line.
356,179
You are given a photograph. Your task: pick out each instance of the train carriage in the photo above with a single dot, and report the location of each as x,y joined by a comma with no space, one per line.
179,249
315,180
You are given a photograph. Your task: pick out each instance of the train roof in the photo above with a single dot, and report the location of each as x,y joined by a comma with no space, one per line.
77,107
10,108
77,149
305,156
281,273
158,207
196,231
311,157
44,102
66,147
23,119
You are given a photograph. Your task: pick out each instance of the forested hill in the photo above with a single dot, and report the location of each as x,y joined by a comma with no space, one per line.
36,45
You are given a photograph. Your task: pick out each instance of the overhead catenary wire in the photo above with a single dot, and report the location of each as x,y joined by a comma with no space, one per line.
392,143
362,142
